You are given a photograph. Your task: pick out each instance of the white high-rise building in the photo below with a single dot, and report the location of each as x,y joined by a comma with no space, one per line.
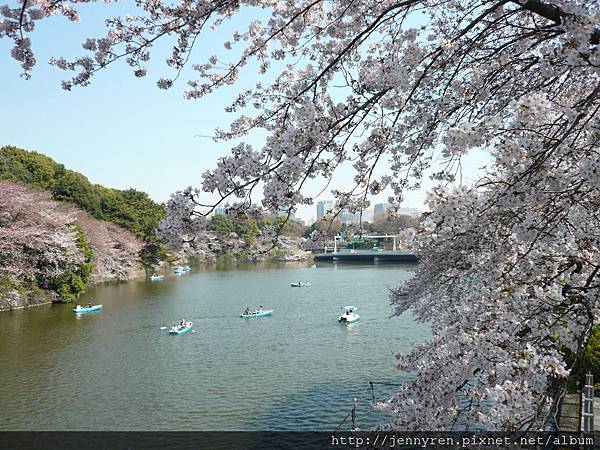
409,211
381,208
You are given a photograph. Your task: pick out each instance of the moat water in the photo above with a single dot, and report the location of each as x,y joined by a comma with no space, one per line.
297,370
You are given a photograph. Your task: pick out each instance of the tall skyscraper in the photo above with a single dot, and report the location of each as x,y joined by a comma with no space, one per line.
324,207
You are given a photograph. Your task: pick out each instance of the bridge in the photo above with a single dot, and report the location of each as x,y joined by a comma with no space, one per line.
372,255
367,256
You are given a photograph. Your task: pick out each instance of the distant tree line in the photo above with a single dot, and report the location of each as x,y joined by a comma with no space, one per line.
248,228
131,209
331,225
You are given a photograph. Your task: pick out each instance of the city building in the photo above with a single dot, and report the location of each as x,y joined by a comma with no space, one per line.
368,216
324,207
409,211
347,217
380,208
327,206
354,218
219,211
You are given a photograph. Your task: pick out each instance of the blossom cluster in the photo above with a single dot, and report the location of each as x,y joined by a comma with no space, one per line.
37,241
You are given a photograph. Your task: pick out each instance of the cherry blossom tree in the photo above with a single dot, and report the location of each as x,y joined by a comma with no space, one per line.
36,239
509,265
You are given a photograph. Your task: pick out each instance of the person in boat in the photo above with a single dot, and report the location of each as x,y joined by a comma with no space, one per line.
260,309
89,304
247,311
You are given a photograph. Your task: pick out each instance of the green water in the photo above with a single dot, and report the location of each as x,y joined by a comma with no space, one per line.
296,370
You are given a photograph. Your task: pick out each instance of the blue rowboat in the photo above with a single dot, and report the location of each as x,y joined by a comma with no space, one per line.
181,329
157,277
266,312
82,309
300,284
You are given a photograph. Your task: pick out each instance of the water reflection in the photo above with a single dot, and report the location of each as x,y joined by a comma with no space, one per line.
294,370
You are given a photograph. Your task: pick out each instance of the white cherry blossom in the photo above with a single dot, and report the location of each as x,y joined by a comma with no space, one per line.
508,273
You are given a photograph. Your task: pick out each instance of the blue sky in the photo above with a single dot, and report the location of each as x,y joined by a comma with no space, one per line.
122,131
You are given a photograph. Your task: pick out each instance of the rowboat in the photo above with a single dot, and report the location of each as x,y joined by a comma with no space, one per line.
181,329
349,315
156,277
301,284
266,312
348,318
86,309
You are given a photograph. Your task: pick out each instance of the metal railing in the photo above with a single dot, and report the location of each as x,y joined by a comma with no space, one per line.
587,404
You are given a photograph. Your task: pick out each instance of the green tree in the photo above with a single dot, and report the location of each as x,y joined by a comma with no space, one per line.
220,224
27,167
247,229
591,357
153,253
388,224
329,224
129,208
74,187
290,227
144,213
71,284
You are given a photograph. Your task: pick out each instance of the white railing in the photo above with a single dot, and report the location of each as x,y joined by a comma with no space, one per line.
587,400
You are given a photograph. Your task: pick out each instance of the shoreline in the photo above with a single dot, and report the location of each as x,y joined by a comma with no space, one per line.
17,308
216,266
198,267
